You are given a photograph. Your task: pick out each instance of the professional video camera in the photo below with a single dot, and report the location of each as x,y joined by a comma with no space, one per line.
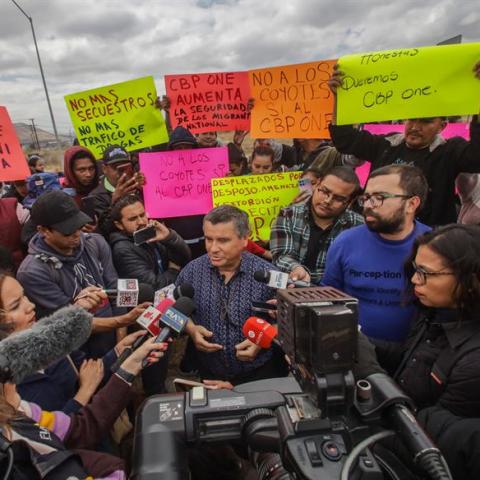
316,426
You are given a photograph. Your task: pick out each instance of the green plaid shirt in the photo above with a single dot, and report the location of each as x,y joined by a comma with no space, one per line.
291,232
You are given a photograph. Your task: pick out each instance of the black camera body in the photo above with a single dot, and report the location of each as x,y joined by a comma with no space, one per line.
305,426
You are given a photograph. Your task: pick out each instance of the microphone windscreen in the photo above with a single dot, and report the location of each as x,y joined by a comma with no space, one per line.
261,276
259,331
185,305
145,293
49,340
184,290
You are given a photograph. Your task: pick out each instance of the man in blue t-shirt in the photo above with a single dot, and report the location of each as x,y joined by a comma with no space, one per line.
367,262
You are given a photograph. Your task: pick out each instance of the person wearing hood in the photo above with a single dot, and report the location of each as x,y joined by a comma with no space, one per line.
64,264
81,172
283,155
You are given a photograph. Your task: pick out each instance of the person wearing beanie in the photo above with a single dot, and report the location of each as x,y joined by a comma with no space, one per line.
182,139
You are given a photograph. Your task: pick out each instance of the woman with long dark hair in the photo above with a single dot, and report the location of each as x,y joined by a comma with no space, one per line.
439,365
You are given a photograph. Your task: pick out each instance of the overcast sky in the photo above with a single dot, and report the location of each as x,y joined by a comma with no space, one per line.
89,43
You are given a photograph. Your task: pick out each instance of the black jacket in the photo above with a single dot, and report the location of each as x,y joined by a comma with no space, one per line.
101,201
141,261
441,163
461,393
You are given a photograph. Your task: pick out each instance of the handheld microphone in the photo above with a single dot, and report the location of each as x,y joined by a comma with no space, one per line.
149,320
174,292
260,332
49,340
130,293
277,279
174,320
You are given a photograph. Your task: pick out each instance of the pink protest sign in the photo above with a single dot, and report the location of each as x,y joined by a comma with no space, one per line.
451,130
178,182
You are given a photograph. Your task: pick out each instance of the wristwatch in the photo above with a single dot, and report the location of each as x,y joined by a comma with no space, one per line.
124,375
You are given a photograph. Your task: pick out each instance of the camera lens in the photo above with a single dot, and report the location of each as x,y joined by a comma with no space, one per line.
269,467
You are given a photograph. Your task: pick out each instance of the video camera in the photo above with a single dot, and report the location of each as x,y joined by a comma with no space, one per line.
318,424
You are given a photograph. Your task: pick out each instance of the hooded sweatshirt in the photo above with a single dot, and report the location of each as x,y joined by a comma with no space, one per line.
52,280
70,180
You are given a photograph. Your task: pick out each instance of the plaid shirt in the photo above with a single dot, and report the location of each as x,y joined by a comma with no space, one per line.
291,232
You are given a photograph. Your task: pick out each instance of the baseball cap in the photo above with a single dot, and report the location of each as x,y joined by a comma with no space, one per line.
58,211
115,154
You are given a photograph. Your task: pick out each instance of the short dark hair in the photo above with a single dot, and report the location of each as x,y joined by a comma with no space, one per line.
82,154
347,175
229,213
412,180
459,246
119,205
263,151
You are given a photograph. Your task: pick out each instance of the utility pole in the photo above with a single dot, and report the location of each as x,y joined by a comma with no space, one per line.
34,134
41,70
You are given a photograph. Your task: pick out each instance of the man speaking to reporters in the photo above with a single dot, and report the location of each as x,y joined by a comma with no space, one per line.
224,292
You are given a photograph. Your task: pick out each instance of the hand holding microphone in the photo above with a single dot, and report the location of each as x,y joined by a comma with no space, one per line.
276,279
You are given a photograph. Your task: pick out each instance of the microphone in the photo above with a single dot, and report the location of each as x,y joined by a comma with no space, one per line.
174,320
277,279
260,332
184,290
148,320
129,293
174,292
49,340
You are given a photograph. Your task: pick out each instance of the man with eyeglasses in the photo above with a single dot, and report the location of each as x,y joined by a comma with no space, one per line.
367,262
302,233
421,145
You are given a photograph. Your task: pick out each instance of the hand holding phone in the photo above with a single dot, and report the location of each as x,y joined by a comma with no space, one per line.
144,234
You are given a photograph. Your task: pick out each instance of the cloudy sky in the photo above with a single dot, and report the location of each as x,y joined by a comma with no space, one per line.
89,43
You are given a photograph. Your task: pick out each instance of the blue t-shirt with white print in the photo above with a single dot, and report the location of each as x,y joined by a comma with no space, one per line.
368,267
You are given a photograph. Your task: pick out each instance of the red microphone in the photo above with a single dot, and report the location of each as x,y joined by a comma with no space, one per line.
260,332
149,318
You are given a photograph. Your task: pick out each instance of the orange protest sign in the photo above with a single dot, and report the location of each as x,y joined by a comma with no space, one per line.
13,165
207,102
292,101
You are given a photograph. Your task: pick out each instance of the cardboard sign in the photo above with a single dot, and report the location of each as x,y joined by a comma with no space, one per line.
409,83
261,196
208,102
122,114
292,101
13,164
178,182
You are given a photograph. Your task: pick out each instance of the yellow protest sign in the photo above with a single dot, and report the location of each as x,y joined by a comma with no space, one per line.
122,114
292,101
261,196
409,83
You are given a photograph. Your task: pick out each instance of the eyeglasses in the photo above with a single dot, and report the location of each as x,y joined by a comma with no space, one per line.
376,199
424,274
330,195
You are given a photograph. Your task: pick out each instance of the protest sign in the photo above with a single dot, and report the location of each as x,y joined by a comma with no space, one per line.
261,196
13,164
178,182
451,130
409,83
122,114
292,101
207,102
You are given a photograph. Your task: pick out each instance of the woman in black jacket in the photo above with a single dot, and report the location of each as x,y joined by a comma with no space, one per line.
439,366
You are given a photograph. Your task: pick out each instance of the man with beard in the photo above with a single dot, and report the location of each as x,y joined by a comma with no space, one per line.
303,232
367,262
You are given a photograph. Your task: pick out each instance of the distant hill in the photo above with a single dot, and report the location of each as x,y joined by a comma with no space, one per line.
46,139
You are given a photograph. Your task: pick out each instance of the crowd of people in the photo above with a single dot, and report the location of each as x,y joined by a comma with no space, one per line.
406,245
